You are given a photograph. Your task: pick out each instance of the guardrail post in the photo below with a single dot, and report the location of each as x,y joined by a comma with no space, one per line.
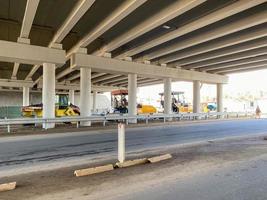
147,120
121,142
164,119
77,124
104,122
8,126
45,124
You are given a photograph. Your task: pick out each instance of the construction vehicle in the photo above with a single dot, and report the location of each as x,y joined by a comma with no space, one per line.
119,100
179,103
62,108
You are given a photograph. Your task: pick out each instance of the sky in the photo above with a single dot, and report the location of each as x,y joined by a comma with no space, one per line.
238,83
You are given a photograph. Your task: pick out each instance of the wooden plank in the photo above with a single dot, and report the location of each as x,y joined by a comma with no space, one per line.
93,170
129,163
7,186
159,158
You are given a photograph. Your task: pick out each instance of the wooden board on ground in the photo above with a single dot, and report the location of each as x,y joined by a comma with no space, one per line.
159,158
7,186
129,163
93,170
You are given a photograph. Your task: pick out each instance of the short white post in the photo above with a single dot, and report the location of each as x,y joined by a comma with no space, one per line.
121,142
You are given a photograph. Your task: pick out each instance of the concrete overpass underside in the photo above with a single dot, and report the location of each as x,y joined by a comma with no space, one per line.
100,45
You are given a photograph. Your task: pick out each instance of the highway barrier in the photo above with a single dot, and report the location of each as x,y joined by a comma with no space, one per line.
125,118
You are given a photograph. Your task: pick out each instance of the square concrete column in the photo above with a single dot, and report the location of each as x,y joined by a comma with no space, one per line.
196,96
26,96
167,96
48,93
85,94
94,101
71,96
219,97
132,91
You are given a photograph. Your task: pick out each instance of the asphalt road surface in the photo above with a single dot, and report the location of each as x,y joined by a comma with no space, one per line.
23,152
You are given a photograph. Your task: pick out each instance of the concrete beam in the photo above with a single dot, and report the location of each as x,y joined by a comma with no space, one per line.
30,11
76,87
30,54
29,14
232,27
255,44
220,43
213,17
78,11
124,82
73,77
235,63
254,68
115,17
121,78
110,65
233,57
105,77
15,71
173,10
64,73
241,67
15,83
150,83
140,81
81,7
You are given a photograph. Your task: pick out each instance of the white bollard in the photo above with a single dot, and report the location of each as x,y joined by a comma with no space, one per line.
121,142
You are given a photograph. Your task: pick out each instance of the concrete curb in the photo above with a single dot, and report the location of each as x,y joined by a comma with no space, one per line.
159,158
129,163
8,186
93,170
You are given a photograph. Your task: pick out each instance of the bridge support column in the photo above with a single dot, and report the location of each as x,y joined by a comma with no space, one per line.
85,94
196,96
94,101
168,96
219,97
26,96
132,90
48,93
72,97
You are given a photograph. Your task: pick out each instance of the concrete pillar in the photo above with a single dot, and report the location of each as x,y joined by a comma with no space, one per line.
132,91
219,97
26,96
48,93
167,96
196,96
71,96
85,94
94,101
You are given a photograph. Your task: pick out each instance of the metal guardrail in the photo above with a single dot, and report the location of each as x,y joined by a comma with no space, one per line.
124,118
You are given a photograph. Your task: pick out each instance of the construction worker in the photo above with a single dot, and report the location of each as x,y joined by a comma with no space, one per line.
258,112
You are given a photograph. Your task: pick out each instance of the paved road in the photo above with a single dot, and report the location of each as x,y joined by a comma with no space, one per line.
24,151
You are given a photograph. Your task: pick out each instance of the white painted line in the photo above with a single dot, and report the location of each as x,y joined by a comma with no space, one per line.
159,158
93,170
7,186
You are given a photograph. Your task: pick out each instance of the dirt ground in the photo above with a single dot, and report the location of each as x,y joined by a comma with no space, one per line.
187,161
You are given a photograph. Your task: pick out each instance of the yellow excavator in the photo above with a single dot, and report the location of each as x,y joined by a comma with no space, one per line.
119,100
179,104
62,108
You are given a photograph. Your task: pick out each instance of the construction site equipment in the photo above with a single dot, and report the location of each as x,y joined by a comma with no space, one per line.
179,103
62,108
119,100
